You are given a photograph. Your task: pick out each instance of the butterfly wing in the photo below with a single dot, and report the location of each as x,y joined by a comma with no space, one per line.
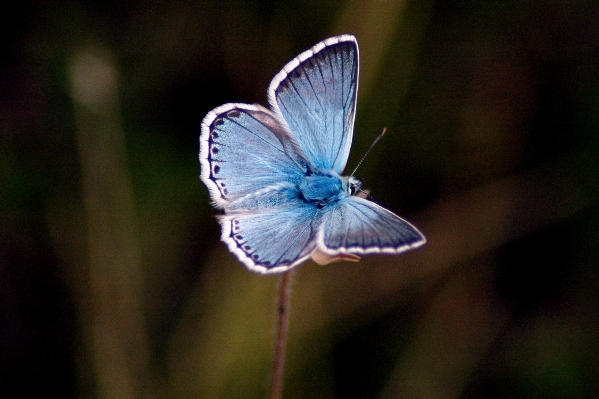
244,149
315,97
272,239
356,225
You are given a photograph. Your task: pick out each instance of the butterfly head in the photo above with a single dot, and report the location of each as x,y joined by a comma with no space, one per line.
352,185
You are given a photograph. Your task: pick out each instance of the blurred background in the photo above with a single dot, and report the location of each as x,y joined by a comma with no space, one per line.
113,281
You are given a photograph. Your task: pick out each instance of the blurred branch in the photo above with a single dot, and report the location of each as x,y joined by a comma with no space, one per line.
465,318
117,336
466,225
376,24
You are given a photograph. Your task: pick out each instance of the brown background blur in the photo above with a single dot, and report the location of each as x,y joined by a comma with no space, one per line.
113,282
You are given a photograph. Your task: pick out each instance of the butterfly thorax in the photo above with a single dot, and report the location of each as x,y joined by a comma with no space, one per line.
322,190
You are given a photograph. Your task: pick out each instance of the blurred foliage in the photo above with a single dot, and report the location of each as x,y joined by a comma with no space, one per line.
113,282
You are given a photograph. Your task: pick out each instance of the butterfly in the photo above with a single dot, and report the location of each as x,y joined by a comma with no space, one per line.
276,173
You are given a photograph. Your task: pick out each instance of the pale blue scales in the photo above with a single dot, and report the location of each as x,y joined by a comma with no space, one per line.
277,173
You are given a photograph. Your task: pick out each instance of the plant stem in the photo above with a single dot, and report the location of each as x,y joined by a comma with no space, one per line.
276,382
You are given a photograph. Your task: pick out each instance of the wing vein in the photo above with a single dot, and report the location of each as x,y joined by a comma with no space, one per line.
298,94
313,89
258,136
295,240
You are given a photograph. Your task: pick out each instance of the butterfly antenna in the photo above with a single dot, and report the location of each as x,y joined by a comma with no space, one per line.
380,136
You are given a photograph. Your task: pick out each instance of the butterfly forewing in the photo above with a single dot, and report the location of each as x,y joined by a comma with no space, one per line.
315,95
242,151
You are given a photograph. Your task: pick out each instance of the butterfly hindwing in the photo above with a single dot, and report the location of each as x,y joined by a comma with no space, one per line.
273,239
356,225
315,96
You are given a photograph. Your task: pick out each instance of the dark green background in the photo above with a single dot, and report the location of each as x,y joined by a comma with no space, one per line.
113,282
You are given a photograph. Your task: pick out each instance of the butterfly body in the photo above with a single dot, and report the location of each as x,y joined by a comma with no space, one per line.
277,173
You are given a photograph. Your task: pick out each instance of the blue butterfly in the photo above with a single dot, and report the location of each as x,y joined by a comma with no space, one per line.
277,173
